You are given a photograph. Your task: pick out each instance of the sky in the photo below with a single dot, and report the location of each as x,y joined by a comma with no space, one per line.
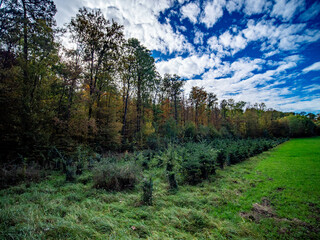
248,50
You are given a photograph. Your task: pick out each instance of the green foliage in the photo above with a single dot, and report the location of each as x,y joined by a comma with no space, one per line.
198,162
170,129
203,133
113,176
70,173
154,142
294,126
13,175
190,131
171,160
147,187
287,176
300,126
81,158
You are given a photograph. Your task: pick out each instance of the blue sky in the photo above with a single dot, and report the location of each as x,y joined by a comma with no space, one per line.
249,50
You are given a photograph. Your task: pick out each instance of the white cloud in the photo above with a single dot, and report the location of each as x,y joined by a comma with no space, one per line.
234,5
311,88
66,9
198,38
313,67
187,67
294,58
271,53
227,43
140,20
255,6
220,70
287,9
259,30
190,11
246,79
213,11
235,43
298,105
312,12
283,37
214,44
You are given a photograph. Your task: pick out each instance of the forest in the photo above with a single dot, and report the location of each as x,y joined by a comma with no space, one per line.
105,94
97,144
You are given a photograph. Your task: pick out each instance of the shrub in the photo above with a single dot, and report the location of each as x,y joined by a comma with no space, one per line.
171,159
224,132
170,129
214,133
153,142
190,131
147,188
147,156
199,162
15,174
295,126
221,158
70,173
113,176
203,133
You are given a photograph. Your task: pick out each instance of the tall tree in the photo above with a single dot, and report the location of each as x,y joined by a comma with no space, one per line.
212,100
172,85
27,33
198,97
99,41
144,76
127,73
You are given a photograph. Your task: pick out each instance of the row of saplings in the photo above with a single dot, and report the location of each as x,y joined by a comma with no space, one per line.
190,163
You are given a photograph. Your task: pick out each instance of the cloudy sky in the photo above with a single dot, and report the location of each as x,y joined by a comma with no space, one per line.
250,50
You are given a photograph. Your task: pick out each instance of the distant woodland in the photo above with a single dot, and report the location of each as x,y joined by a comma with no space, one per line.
106,94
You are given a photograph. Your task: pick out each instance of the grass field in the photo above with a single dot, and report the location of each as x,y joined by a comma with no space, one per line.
275,195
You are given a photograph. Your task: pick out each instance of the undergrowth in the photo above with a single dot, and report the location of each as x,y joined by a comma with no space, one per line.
215,208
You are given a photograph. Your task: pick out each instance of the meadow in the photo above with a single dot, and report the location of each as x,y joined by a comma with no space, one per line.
273,195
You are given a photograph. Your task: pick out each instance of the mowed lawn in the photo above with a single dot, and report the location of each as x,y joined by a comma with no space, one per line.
275,195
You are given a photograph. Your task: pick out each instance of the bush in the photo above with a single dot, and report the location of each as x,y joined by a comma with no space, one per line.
70,173
294,126
235,151
170,129
221,158
81,157
147,188
114,176
190,131
199,162
171,161
203,133
214,133
153,142
13,175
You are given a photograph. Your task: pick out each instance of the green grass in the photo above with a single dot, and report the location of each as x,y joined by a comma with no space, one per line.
287,176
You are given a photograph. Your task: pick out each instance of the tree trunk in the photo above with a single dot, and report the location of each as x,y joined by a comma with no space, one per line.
175,109
25,113
91,85
139,105
196,116
123,132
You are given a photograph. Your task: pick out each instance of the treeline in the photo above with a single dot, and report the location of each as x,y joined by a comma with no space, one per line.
105,93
